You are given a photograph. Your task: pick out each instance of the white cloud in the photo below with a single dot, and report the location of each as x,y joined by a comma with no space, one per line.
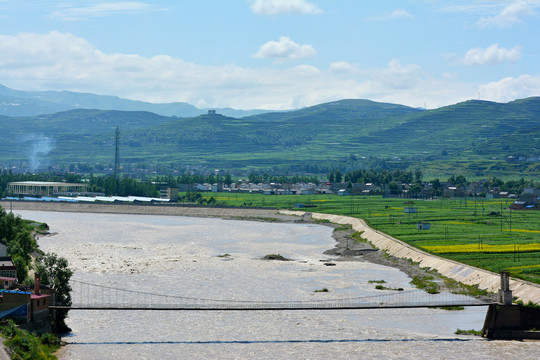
60,61
285,49
509,16
511,88
341,66
99,9
396,14
470,8
400,13
277,7
398,76
493,54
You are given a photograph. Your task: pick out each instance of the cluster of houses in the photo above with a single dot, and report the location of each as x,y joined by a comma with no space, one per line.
23,305
267,189
529,196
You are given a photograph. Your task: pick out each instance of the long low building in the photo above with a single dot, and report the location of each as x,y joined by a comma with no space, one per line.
40,188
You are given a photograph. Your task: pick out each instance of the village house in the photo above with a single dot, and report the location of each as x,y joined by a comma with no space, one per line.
25,306
7,268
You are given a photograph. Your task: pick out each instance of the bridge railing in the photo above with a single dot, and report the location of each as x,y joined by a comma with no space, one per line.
93,296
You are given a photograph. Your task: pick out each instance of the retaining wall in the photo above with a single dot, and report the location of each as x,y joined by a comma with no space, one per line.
145,209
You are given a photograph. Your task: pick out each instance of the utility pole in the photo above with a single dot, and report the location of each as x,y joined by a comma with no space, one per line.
116,152
501,217
510,219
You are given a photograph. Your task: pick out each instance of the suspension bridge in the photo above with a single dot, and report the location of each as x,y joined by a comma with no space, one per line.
89,296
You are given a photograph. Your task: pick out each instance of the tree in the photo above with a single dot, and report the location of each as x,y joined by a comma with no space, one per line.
22,268
418,175
331,177
228,179
22,245
394,188
338,176
436,186
459,180
416,189
54,272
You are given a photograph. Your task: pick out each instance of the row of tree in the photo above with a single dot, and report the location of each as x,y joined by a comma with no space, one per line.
393,178
228,179
378,177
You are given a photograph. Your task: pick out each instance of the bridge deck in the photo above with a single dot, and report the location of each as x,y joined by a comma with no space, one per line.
261,308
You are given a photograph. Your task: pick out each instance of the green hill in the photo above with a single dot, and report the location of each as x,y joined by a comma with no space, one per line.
472,137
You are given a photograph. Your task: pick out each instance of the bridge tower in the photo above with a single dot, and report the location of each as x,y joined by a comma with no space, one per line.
510,321
505,294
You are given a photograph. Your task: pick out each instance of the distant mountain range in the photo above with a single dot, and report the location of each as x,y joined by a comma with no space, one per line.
475,138
30,103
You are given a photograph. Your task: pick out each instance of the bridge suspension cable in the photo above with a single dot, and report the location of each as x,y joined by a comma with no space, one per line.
93,296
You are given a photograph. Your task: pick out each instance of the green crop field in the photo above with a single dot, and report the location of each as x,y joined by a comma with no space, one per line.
478,232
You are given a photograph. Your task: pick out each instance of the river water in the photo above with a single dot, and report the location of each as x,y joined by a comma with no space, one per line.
179,256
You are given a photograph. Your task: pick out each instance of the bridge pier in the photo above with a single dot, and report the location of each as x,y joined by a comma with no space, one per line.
505,294
508,321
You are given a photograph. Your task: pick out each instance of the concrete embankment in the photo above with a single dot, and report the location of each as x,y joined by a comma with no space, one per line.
143,209
452,269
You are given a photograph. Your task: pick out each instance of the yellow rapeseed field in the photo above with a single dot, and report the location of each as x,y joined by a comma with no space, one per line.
524,267
524,230
442,249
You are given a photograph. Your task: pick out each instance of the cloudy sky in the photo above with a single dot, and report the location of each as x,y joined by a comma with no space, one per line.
274,54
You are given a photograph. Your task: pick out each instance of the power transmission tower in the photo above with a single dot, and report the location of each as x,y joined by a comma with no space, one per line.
116,152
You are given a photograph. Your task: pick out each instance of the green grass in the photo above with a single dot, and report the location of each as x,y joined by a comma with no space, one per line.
26,345
468,332
426,283
456,221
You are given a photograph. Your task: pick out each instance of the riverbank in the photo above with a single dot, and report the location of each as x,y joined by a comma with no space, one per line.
352,246
408,259
459,272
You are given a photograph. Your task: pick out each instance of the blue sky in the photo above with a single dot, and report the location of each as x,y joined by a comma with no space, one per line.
274,54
